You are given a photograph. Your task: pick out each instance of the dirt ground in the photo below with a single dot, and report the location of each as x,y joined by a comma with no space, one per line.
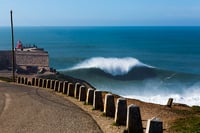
148,110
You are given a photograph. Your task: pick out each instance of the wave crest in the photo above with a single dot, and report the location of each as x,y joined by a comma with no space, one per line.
113,66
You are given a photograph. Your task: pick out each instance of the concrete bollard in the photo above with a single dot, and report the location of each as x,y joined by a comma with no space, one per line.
154,126
40,82
15,79
48,83
109,105
170,102
18,80
134,122
65,87
121,111
90,96
29,83
26,81
60,86
82,93
22,80
70,90
98,102
36,81
44,83
52,84
33,81
76,90
56,85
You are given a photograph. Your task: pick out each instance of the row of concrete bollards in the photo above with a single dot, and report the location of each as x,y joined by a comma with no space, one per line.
128,116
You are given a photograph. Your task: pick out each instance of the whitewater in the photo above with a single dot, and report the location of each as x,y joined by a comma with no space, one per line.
103,73
113,66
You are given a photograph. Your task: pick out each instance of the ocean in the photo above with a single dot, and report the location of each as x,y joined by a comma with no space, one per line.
147,63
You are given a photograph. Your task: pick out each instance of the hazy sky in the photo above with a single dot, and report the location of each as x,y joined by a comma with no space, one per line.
101,12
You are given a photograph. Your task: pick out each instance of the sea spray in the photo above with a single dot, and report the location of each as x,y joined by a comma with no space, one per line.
160,93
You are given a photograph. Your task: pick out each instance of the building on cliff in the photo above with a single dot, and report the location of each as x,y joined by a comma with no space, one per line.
28,58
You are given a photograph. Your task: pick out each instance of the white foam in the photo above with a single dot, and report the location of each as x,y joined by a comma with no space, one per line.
113,66
189,97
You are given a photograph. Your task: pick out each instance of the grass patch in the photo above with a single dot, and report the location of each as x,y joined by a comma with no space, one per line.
189,123
182,112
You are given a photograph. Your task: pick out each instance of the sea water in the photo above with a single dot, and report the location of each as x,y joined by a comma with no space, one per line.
147,63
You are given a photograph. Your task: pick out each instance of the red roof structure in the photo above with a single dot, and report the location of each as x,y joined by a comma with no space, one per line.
19,45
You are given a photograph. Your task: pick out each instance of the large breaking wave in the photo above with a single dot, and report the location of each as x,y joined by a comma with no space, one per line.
131,78
113,66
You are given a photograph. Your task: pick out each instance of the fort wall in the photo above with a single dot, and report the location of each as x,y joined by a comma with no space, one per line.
23,59
5,59
26,58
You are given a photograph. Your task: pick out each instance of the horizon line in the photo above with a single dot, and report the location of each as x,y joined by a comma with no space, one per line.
102,26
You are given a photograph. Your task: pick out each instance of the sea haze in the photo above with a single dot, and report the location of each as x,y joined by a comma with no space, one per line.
148,63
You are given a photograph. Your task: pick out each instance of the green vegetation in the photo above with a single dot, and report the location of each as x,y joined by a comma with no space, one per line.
196,109
115,124
6,79
189,123
85,103
103,114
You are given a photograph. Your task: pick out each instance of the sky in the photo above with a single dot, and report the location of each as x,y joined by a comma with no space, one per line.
100,12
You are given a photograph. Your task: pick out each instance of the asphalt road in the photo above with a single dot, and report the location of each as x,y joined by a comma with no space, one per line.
26,109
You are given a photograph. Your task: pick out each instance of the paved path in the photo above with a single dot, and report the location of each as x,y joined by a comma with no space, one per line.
25,109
